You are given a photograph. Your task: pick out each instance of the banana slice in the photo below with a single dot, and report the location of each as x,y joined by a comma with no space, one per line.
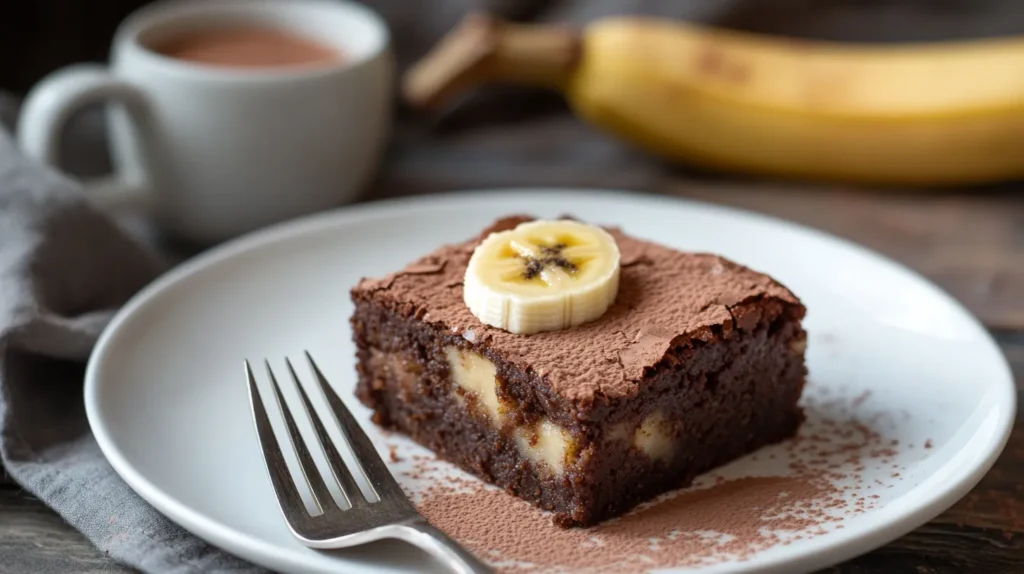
542,276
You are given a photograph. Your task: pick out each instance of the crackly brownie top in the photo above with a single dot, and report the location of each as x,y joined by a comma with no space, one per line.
665,296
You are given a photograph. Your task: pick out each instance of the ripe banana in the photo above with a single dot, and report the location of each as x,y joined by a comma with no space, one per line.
542,276
930,114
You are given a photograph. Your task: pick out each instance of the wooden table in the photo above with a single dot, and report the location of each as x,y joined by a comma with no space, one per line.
969,242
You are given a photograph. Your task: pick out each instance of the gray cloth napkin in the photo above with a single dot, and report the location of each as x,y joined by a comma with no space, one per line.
64,269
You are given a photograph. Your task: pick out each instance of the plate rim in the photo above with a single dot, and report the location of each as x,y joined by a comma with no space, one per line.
813,554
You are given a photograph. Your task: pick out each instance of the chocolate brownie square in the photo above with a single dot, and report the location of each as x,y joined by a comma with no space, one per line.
697,361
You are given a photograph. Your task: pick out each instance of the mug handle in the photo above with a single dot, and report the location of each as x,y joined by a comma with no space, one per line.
58,97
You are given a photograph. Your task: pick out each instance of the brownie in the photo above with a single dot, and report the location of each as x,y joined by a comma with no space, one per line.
698,361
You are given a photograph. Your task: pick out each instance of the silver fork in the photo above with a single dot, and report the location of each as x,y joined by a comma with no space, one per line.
393,516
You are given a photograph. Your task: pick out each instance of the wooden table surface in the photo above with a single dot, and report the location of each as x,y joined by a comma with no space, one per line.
970,242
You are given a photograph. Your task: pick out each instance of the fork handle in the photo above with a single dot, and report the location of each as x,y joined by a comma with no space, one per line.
441,546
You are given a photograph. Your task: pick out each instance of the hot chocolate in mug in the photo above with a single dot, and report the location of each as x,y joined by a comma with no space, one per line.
228,115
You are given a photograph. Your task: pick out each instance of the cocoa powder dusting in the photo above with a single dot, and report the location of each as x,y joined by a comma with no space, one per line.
803,488
691,528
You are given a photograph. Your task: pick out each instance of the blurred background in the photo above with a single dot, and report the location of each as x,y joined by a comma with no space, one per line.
42,36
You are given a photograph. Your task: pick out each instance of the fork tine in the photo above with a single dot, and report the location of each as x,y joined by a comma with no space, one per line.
316,483
287,493
372,465
342,474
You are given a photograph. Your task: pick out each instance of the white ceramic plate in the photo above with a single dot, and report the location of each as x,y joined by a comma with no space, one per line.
167,402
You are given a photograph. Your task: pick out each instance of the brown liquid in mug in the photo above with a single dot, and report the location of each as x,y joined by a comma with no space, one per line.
249,47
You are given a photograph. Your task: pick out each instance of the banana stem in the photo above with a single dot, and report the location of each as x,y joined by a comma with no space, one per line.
483,49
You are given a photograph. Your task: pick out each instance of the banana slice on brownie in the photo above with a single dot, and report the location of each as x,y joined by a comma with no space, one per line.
542,276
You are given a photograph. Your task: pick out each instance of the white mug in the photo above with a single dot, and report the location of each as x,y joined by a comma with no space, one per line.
215,151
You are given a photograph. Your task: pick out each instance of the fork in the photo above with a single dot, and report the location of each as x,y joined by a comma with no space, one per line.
391,516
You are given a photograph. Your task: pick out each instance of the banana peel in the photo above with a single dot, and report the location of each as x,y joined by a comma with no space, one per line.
937,114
